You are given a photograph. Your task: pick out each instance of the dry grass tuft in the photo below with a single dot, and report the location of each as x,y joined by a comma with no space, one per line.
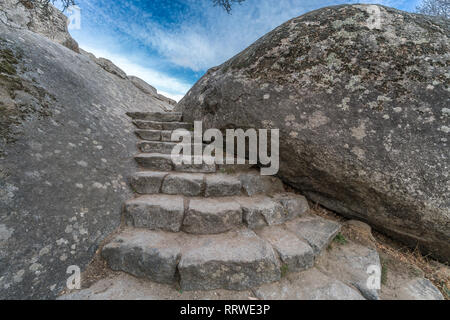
436,272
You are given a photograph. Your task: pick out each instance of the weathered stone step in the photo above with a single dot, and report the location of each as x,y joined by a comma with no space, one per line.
157,212
162,146
236,260
156,135
260,210
156,125
295,254
165,162
248,183
316,231
211,215
156,116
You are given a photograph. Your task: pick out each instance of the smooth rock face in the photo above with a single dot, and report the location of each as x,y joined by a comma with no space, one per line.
151,255
362,110
111,67
66,149
34,18
156,116
419,289
157,212
143,86
307,285
212,216
318,232
235,261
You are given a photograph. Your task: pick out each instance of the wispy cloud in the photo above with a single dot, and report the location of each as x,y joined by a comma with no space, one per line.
166,85
170,44
206,36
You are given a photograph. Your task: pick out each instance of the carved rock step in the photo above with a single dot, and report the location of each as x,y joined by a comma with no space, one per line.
295,254
162,146
236,260
318,232
154,135
212,215
165,162
159,212
156,125
157,135
209,185
156,116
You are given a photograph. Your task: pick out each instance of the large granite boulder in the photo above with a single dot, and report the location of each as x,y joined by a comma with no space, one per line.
66,149
38,17
360,94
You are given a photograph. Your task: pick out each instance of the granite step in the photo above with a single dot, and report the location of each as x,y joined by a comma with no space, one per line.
157,125
156,116
249,183
239,259
156,212
316,231
212,216
165,162
235,260
199,215
162,147
156,135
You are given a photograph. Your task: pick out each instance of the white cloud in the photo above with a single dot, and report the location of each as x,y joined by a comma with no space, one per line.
207,36
200,37
165,84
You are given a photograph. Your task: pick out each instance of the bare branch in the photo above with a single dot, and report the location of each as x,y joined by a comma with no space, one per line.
226,4
44,3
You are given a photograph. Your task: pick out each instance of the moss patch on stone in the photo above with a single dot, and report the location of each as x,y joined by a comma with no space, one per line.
8,62
13,113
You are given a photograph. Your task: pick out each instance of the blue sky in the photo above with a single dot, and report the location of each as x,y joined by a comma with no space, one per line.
171,43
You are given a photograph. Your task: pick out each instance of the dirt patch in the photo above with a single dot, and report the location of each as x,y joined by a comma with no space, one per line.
399,263
97,269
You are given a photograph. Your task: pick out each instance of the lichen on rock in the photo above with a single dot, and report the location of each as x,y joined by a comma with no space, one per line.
359,108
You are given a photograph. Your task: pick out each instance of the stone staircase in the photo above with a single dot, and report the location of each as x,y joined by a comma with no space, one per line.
205,227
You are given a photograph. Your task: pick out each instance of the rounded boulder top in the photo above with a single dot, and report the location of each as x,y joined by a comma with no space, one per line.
360,94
